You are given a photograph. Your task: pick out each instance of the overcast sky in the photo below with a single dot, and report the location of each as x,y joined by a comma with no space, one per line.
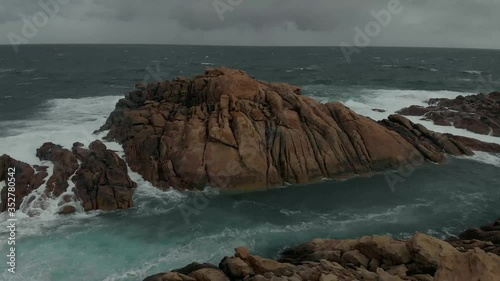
434,23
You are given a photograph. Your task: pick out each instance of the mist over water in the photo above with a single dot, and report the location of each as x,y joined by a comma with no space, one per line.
63,93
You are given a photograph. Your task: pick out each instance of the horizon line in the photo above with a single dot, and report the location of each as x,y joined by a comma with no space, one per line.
247,46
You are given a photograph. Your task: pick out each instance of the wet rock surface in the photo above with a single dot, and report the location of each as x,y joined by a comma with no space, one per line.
27,179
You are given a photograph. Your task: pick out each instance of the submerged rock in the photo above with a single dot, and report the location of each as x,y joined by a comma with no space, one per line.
228,130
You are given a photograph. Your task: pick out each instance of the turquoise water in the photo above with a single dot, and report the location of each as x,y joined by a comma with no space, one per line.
437,199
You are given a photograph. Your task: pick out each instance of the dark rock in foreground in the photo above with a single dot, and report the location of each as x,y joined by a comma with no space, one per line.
98,178
375,258
476,113
228,130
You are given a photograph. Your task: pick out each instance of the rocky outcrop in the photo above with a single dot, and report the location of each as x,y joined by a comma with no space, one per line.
102,181
228,130
27,179
65,165
476,113
96,177
430,144
420,258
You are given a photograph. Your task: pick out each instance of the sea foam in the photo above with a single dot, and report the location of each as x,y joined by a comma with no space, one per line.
394,100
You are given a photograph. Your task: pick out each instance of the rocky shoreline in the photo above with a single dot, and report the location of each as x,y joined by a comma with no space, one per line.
472,256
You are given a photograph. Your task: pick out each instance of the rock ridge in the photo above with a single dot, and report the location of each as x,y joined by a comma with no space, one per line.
226,129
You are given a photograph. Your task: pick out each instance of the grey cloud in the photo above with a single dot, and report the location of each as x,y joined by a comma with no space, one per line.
453,23
307,15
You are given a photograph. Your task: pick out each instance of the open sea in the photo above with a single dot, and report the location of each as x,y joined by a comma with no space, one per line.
62,93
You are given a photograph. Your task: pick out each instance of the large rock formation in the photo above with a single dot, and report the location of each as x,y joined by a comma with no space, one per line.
96,177
228,130
375,258
476,113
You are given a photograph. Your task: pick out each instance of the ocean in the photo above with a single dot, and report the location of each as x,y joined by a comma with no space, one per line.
62,93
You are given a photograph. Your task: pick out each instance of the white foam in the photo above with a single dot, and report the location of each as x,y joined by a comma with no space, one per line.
289,212
310,67
63,121
393,100
484,157
476,72
40,210
46,206
145,190
29,70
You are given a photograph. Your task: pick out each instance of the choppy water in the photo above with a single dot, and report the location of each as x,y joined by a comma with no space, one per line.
63,93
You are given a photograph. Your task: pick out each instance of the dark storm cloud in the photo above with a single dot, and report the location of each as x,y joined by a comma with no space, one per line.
453,23
307,15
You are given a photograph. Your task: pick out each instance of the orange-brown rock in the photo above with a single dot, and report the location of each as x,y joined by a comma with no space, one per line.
26,180
471,265
102,181
228,130
96,176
